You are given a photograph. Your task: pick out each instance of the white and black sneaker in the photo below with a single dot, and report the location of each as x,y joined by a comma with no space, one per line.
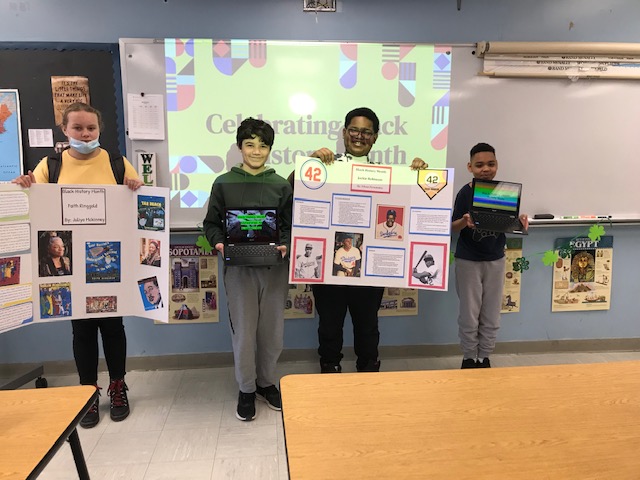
271,396
246,407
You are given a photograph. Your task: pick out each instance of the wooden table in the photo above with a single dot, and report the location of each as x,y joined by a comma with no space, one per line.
35,423
544,422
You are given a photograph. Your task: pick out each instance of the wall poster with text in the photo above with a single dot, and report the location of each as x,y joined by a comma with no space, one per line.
193,284
512,279
582,280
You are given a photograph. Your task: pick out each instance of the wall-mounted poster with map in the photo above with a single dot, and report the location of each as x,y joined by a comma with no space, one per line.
10,136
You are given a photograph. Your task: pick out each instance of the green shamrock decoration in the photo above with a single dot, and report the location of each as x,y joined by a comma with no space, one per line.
550,257
204,244
521,264
564,252
596,232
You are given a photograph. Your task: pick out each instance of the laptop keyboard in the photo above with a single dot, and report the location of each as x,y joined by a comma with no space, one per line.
251,250
491,221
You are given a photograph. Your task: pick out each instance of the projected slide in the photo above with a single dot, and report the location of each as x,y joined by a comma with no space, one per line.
304,90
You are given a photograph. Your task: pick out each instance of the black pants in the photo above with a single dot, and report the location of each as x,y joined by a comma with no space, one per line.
332,302
85,347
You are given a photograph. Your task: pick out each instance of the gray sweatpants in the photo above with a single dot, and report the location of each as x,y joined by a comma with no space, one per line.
256,297
479,286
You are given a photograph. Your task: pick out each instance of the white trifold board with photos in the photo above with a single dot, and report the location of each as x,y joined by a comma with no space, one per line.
104,231
367,224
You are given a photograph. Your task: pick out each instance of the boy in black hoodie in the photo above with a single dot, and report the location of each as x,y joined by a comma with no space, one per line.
256,296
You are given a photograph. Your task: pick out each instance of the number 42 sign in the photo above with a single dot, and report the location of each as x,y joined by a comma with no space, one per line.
432,181
313,174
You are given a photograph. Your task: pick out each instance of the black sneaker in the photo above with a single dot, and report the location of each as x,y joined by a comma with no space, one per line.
330,368
246,407
92,417
119,401
485,363
371,366
468,363
269,395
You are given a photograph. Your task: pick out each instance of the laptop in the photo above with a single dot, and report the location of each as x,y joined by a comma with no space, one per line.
251,237
496,206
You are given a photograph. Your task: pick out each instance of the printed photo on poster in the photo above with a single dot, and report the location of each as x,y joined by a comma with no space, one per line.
347,258
309,258
150,252
55,300
9,271
151,214
102,304
103,262
398,302
300,301
186,313
210,302
55,253
427,260
389,223
150,293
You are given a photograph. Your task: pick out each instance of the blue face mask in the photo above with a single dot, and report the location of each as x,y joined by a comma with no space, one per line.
84,147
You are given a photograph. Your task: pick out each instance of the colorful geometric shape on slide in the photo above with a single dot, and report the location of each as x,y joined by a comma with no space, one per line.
229,56
194,199
178,46
404,50
257,53
240,49
440,122
389,70
189,199
442,68
179,181
407,84
190,164
348,65
439,135
210,164
179,74
390,60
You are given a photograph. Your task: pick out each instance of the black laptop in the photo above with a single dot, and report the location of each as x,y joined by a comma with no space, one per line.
251,237
496,206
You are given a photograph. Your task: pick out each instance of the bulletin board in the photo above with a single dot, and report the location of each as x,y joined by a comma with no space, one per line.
29,68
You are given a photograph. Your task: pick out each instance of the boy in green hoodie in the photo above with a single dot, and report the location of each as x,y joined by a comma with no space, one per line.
256,296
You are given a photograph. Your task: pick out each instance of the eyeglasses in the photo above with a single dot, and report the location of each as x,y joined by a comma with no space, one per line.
355,132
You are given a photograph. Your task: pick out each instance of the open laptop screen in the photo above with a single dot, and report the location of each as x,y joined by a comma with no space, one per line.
496,196
252,225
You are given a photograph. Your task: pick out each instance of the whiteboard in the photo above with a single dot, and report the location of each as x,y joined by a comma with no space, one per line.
575,146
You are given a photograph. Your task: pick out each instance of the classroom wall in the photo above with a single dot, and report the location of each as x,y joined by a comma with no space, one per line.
429,21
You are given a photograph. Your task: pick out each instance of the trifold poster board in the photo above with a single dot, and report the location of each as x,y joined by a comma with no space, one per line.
366,224
82,251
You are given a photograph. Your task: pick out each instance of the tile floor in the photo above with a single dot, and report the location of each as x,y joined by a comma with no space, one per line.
183,425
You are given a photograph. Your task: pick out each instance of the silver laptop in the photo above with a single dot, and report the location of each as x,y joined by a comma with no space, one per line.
251,237
496,206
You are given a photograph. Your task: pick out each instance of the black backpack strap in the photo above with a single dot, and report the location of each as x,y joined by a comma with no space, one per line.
117,166
54,162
